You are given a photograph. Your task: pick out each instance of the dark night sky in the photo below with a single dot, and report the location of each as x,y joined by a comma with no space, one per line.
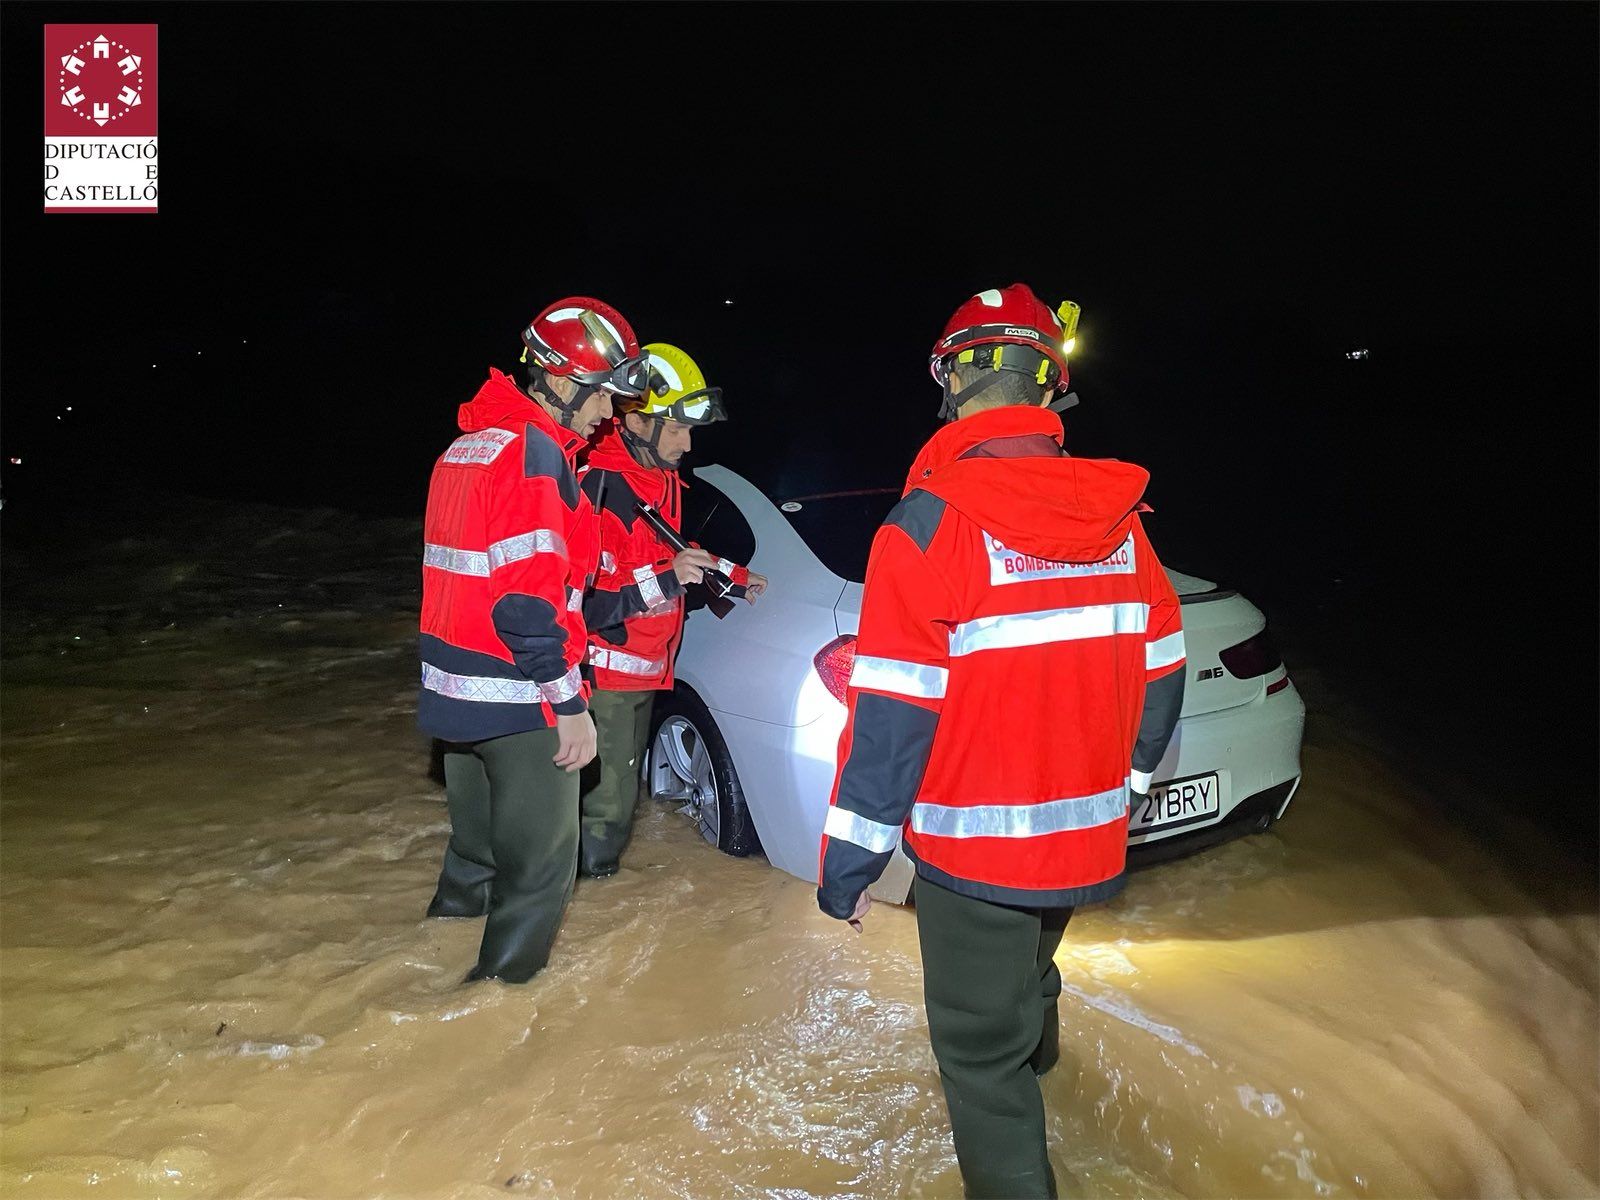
379,197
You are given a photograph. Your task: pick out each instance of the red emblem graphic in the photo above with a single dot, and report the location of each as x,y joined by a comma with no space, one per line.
100,80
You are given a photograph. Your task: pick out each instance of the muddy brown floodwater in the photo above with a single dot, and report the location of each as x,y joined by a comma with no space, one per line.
220,832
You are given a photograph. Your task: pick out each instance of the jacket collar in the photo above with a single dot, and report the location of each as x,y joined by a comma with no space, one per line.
958,437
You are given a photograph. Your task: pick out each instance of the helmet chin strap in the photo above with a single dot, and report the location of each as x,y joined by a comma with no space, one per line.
539,380
952,401
642,449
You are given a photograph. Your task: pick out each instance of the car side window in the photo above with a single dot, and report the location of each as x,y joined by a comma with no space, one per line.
714,521
698,501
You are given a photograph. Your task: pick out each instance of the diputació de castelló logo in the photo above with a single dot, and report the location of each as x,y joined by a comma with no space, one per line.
100,149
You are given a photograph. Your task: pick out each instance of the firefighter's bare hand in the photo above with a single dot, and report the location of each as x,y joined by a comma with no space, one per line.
863,903
757,585
577,738
691,565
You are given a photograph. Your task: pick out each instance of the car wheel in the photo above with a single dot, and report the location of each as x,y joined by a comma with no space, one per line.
689,765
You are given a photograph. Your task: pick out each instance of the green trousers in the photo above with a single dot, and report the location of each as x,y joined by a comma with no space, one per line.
513,848
991,988
610,784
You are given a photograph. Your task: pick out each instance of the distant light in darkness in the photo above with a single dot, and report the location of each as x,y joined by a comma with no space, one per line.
1356,354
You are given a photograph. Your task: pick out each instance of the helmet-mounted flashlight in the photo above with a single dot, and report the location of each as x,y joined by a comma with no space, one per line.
1068,314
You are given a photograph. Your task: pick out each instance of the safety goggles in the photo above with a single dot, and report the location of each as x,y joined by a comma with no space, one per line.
697,408
631,377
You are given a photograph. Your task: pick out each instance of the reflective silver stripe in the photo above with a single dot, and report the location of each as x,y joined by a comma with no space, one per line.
1139,781
608,561
479,687
460,562
574,599
649,587
902,678
1164,651
565,688
1020,820
726,567
483,689
858,831
626,664
1049,625
526,545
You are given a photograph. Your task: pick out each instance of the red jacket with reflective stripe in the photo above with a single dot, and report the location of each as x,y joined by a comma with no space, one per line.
635,612
511,543
1014,623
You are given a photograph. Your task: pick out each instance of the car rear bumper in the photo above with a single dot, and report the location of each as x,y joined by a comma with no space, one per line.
1254,749
1251,815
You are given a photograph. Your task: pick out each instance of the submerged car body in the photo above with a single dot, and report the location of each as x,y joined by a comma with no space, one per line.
751,730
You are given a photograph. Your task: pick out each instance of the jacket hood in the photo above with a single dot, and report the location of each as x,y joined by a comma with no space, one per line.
1055,507
501,402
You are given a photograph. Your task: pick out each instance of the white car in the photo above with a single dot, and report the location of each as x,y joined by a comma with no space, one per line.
746,741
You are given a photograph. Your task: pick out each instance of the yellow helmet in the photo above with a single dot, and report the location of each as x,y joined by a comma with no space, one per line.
678,391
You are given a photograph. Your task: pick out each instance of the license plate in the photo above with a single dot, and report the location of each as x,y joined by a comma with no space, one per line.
1177,802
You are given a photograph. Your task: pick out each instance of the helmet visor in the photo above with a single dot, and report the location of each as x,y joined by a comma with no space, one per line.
601,338
627,376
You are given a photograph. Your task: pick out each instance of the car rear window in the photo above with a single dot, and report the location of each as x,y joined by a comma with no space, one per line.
838,526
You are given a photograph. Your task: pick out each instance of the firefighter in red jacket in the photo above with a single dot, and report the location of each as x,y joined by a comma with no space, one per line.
511,546
1018,674
635,613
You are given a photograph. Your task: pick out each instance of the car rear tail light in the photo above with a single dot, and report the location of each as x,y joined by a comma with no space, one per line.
1251,658
1274,688
834,662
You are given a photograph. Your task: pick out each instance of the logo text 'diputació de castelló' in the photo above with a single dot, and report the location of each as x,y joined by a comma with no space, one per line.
100,151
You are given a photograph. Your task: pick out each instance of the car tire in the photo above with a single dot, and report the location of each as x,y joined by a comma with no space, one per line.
709,789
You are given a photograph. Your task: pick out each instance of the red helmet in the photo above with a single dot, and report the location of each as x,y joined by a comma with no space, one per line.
1008,316
587,340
